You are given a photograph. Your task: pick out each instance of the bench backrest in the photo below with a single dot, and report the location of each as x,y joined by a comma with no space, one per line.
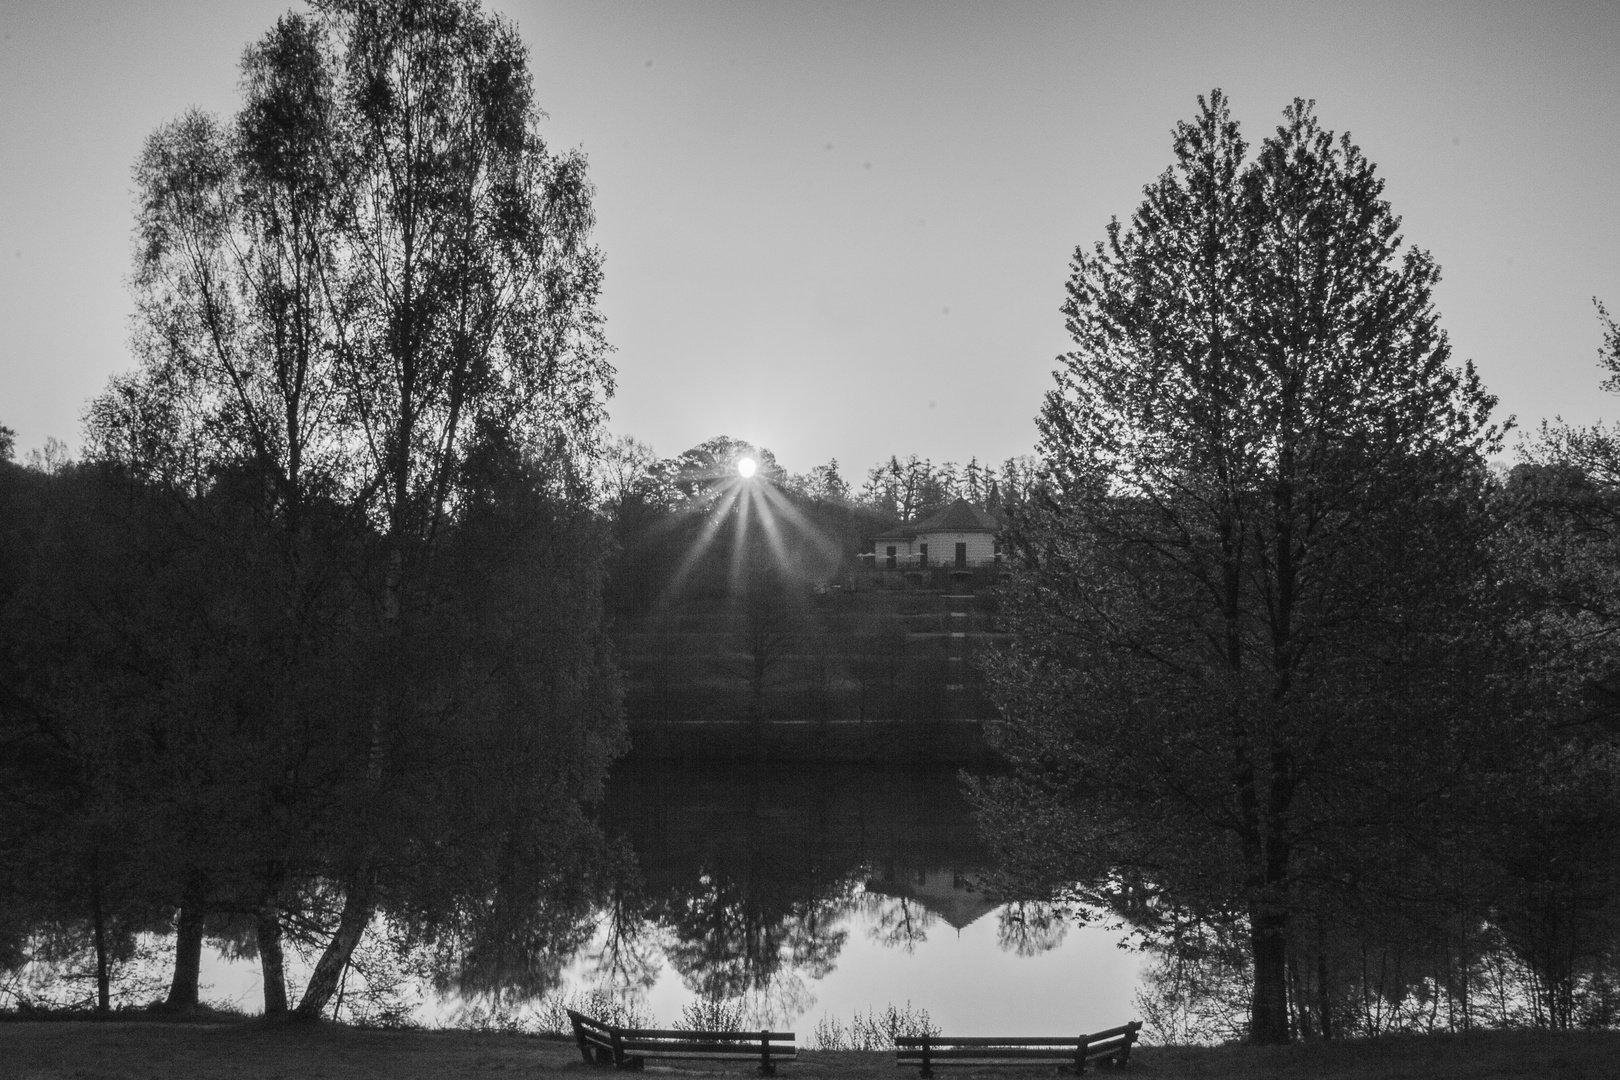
926,1050
708,1036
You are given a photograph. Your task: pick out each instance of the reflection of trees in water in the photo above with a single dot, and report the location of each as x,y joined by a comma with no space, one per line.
897,922
746,929
1380,967
628,956
748,888
1030,928
750,880
1196,987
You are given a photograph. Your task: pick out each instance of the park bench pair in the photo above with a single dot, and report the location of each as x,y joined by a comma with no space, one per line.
630,1048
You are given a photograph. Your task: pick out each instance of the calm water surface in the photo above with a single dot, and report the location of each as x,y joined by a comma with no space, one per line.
819,893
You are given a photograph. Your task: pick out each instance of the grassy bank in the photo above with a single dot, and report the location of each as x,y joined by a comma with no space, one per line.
255,1051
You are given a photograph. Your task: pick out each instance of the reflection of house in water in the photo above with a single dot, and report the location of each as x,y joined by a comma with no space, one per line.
946,893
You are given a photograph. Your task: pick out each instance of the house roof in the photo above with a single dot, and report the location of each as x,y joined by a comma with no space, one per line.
941,892
960,516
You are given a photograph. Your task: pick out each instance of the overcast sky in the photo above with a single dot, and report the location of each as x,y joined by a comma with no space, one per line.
843,230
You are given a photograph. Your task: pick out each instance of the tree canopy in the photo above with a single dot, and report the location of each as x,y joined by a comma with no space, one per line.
1241,589
370,380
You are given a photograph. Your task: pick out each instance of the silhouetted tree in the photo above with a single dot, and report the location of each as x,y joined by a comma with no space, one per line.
1242,584
353,299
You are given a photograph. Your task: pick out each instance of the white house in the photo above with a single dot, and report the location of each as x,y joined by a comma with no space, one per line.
960,536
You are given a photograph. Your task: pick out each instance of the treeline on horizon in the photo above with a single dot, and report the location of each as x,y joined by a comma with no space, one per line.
897,491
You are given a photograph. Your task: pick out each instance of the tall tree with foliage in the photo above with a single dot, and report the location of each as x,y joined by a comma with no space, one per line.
1238,590
369,289
1556,885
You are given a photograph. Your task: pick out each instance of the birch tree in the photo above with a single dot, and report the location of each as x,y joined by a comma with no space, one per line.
373,276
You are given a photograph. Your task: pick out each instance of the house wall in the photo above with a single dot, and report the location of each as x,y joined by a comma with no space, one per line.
903,553
981,547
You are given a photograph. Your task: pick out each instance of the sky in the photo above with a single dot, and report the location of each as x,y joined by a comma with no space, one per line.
842,230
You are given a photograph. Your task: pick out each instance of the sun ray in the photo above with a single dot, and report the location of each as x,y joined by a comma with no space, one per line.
719,509
795,517
773,535
699,503
740,540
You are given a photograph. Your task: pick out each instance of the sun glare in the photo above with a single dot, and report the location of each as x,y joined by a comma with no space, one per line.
753,513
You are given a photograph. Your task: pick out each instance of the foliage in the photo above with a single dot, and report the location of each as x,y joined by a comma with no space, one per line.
711,1014
913,488
1245,593
875,1030
319,624
608,1008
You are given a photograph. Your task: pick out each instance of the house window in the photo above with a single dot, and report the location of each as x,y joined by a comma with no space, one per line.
891,556
961,555
922,554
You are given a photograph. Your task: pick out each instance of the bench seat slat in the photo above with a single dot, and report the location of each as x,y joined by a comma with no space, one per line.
909,1041
659,1046
998,1053
973,1063
712,1036
705,1055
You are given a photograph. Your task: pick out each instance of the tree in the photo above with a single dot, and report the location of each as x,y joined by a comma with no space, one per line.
1241,586
910,489
373,284
712,464
823,483
1555,885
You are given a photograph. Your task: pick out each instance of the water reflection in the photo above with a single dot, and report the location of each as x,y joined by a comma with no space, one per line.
749,883
778,897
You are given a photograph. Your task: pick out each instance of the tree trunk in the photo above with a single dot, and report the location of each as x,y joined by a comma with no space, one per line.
103,974
1268,1015
1323,991
187,955
323,982
271,965
1299,999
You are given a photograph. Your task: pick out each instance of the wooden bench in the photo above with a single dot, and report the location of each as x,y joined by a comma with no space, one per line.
628,1048
1111,1047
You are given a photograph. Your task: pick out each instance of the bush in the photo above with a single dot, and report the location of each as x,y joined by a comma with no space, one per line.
874,1031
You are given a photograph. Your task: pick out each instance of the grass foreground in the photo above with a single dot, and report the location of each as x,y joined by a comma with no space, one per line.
254,1050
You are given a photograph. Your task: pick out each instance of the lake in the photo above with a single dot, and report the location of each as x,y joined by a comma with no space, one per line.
812,893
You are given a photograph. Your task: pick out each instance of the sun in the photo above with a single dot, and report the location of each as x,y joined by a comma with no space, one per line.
746,467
